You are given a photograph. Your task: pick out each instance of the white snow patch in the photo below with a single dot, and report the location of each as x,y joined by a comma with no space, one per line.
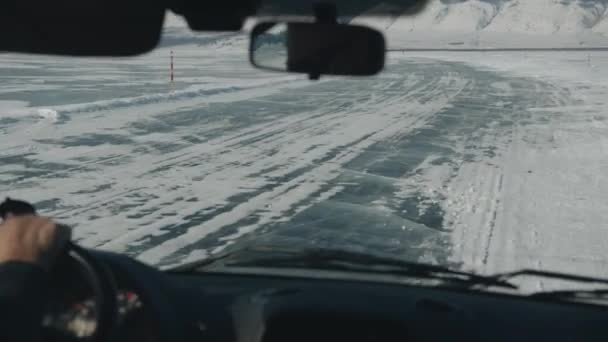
541,202
21,109
48,114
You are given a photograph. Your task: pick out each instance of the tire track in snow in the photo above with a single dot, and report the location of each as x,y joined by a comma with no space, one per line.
287,195
277,157
477,186
341,118
139,203
492,224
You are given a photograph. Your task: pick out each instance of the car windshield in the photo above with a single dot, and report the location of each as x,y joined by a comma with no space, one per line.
482,146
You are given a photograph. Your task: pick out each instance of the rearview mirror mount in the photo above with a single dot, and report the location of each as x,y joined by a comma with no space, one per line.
316,49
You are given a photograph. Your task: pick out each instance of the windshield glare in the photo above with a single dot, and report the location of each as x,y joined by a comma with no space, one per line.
481,148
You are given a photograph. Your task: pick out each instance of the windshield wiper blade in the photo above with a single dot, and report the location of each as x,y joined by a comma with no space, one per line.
594,294
341,260
561,294
550,275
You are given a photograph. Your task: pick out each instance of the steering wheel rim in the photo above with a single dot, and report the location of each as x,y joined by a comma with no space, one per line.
102,283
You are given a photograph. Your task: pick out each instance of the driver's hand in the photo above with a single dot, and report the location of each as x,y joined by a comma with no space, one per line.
32,239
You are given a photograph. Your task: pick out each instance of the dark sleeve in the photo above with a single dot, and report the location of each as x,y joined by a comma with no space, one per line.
23,295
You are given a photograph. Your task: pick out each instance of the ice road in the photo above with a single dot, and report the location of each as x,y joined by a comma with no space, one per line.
442,160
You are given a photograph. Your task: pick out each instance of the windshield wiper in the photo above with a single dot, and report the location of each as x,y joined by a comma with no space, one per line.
569,295
584,294
357,262
551,275
341,260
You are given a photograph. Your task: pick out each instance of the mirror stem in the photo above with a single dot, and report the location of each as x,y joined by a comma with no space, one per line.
326,13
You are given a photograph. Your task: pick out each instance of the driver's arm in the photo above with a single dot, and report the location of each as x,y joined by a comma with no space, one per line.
28,247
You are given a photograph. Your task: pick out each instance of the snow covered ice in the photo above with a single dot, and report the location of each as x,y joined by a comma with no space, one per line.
488,161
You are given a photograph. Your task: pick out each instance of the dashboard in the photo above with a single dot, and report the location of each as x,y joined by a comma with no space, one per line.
157,306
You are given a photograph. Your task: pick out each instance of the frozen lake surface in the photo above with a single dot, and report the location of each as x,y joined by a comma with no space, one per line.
483,161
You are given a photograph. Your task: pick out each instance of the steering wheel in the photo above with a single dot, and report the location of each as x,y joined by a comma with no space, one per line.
98,278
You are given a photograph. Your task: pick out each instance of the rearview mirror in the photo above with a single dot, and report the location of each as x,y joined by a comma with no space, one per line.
317,48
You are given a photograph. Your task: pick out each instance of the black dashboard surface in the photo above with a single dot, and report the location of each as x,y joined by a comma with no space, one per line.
252,308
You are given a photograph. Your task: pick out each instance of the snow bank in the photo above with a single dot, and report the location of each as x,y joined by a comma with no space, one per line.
466,16
510,24
547,17
20,109
539,202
